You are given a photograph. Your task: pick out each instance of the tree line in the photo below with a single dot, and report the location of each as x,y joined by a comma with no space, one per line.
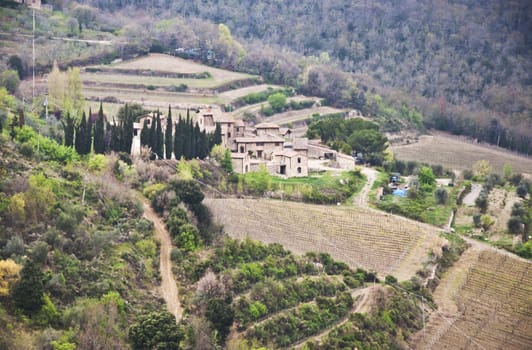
103,136
188,141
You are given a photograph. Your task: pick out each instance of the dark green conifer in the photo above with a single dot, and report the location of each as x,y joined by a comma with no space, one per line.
168,140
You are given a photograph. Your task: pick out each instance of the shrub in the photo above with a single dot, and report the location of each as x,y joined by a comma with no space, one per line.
157,330
514,224
441,195
486,221
476,220
468,174
482,201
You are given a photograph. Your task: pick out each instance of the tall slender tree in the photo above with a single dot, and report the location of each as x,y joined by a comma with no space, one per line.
145,134
218,134
178,139
81,136
99,132
168,140
68,125
126,126
159,138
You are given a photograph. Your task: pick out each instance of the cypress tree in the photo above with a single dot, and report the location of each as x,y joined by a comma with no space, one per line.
116,137
218,134
160,138
108,139
99,144
196,132
81,136
153,137
87,144
168,135
187,138
145,134
69,130
178,139
204,145
127,130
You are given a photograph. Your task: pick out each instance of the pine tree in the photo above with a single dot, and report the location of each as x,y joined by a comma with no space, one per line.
108,138
69,130
168,135
99,133
178,139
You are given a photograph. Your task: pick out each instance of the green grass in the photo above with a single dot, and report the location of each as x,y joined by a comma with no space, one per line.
325,188
424,208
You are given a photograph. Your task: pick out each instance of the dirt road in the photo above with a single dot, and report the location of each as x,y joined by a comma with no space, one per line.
362,198
168,285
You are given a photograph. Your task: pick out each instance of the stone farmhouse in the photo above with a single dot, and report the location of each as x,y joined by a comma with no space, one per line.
250,146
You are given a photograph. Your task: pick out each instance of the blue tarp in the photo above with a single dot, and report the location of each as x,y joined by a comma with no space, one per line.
400,193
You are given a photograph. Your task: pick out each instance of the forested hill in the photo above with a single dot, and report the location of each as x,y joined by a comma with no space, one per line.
465,64
464,50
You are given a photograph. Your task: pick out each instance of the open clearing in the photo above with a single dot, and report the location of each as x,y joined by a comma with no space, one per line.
457,154
357,236
167,63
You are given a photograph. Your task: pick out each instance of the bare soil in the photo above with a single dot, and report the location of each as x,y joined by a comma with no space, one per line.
168,287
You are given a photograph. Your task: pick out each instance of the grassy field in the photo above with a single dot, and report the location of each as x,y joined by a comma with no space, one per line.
359,237
456,154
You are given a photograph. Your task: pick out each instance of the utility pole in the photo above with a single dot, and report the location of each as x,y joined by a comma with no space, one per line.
33,50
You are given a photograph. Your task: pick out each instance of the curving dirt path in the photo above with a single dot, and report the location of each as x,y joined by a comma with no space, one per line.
168,287
362,199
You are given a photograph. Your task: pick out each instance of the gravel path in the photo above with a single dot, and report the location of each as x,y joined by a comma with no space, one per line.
469,199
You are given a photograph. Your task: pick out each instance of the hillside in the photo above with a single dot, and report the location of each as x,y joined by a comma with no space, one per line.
361,238
486,305
462,64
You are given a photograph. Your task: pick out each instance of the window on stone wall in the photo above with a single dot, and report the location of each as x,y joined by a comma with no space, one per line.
299,159
299,170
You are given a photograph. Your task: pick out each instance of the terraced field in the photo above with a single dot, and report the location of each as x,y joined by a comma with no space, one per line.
232,95
494,303
167,63
301,115
359,237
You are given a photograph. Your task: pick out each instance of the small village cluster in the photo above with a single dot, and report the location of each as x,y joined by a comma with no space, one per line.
250,146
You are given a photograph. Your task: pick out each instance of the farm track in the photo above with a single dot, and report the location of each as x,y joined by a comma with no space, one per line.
168,287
